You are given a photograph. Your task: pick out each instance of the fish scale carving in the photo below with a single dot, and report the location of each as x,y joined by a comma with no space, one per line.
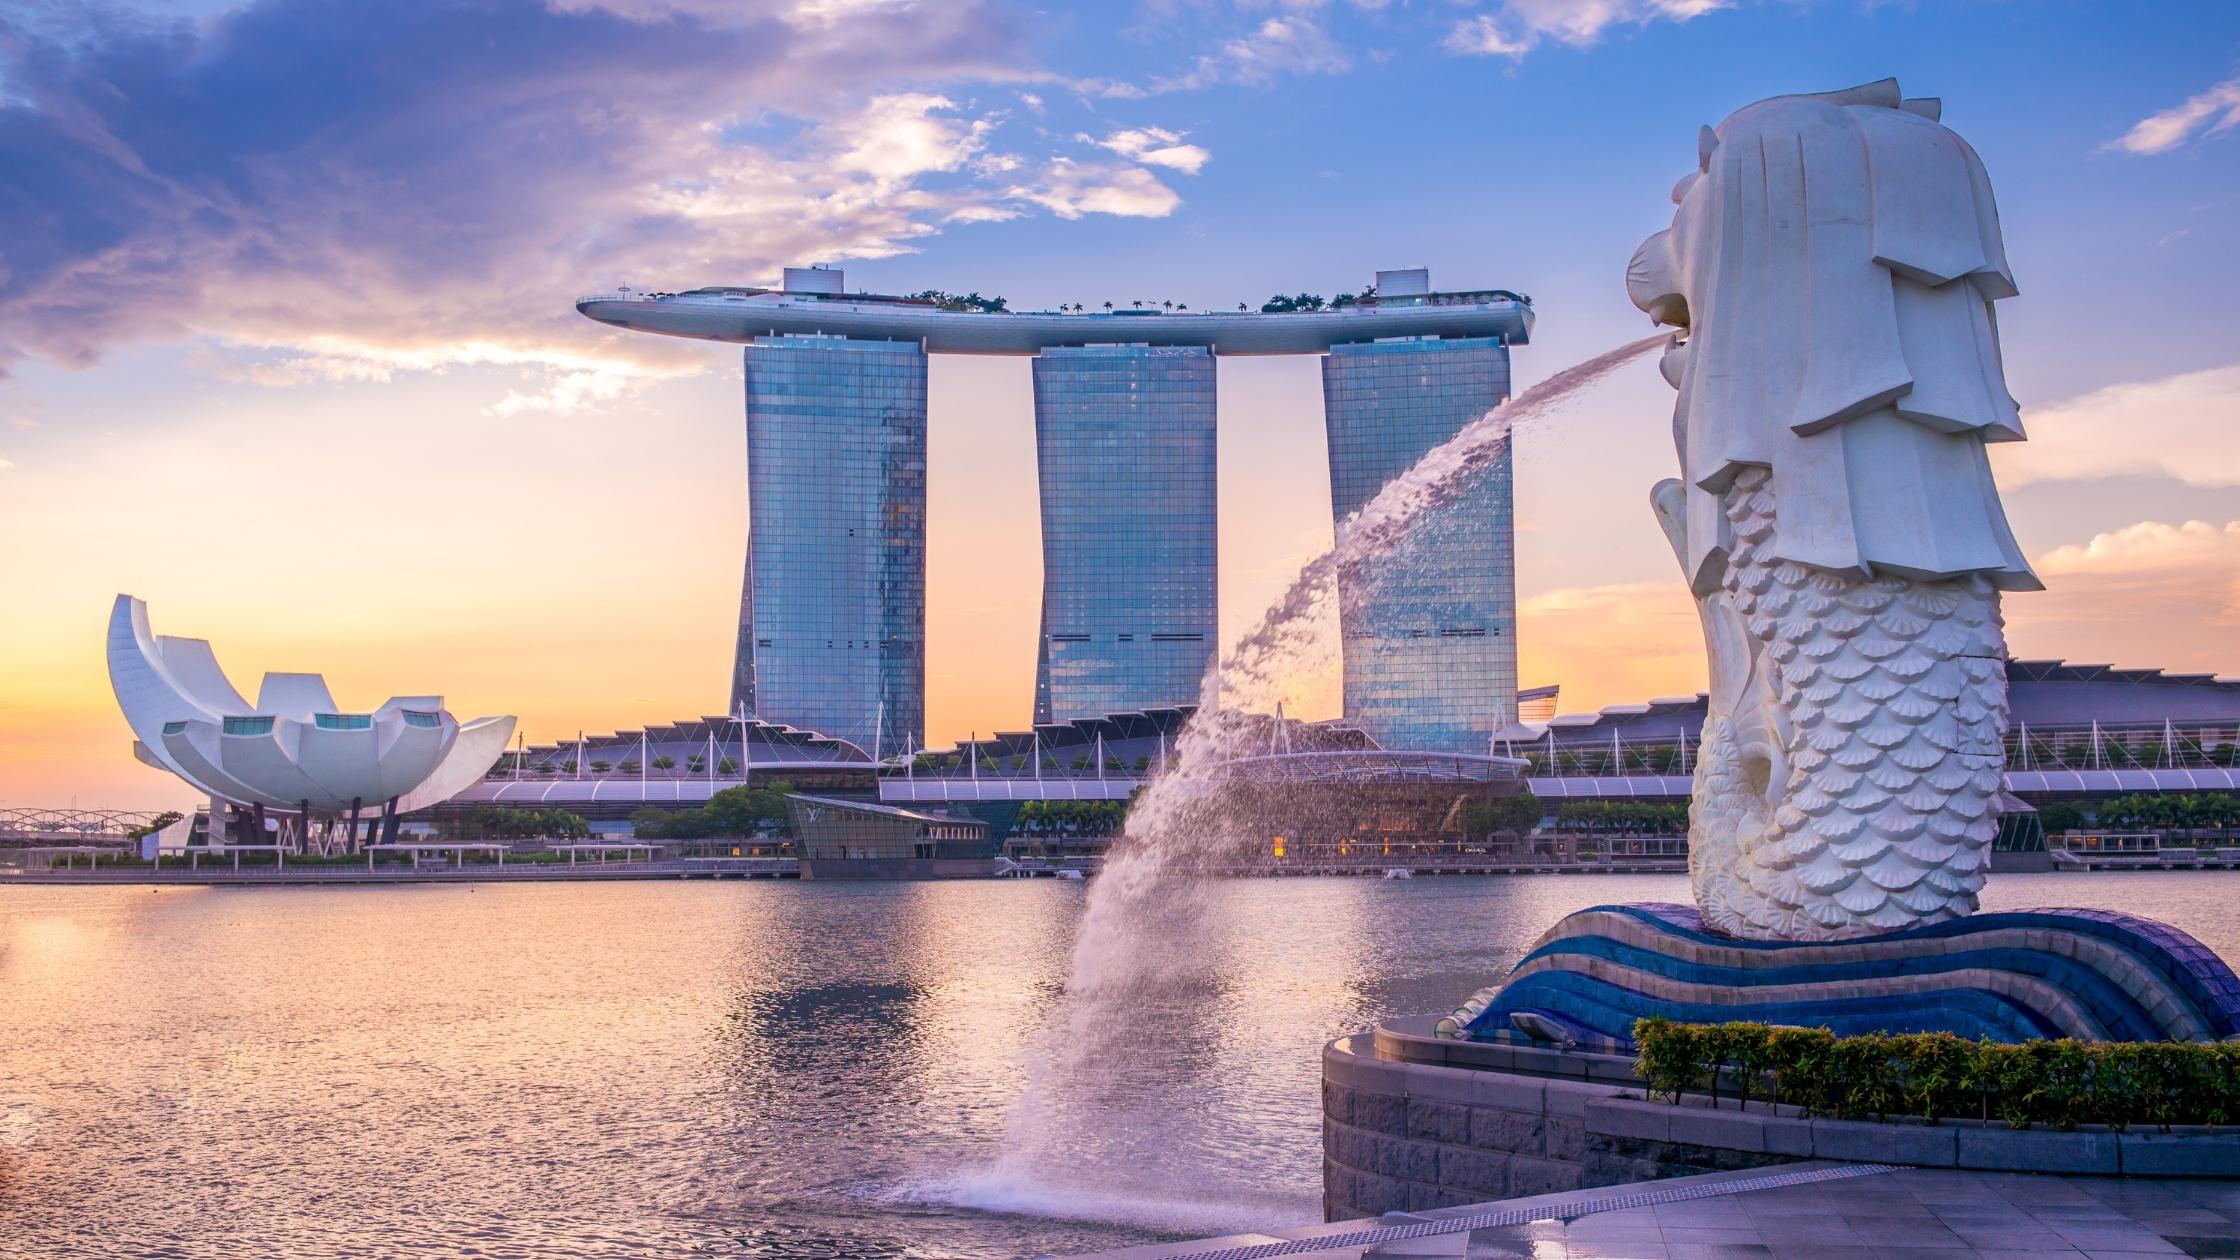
1894,713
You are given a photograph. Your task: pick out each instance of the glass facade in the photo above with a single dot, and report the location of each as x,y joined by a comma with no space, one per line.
1124,436
1429,636
827,829
833,610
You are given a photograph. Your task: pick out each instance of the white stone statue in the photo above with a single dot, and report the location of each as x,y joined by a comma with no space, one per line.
1830,272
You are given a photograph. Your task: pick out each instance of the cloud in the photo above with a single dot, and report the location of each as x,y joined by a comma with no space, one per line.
1070,189
6,464
1154,146
1280,46
342,193
2212,112
981,214
1293,43
2180,427
2149,594
2148,545
572,391
1519,26
894,139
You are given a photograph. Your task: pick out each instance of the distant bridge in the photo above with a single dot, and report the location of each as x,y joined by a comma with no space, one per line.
963,790
37,826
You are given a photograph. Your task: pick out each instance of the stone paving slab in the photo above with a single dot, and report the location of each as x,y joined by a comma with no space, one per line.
1823,1211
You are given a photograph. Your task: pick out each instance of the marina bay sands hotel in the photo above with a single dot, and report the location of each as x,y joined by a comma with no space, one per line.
832,618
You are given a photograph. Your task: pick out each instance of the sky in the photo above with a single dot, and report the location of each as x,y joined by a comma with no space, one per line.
288,348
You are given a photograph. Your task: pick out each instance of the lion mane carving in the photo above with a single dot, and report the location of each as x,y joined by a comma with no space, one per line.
1830,273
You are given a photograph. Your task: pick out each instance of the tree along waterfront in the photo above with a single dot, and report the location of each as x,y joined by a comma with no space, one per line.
735,813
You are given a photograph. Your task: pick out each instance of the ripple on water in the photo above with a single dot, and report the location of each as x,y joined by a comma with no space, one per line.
767,1070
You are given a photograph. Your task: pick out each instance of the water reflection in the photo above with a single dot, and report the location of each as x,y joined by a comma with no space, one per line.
769,1070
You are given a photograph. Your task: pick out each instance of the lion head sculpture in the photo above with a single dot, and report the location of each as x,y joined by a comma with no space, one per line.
1831,269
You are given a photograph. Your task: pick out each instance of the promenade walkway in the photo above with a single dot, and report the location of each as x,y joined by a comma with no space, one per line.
1813,1211
516,872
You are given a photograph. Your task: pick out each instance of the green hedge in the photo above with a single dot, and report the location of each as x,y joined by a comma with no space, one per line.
1934,1076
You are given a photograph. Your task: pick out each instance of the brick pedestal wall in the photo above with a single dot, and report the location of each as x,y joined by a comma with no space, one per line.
1400,1134
1408,1137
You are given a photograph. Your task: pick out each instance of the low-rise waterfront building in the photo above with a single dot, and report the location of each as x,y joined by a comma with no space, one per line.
845,839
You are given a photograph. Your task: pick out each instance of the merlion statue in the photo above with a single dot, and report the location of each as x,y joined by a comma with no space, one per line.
1830,274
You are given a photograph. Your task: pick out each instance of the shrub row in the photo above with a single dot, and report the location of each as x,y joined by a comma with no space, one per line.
2061,1083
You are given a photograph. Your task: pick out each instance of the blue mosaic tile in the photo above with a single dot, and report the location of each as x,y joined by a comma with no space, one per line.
1601,1012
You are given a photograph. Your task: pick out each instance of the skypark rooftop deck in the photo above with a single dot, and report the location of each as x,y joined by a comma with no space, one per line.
743,314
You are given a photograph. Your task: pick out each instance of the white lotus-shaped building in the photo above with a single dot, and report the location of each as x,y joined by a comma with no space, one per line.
294,749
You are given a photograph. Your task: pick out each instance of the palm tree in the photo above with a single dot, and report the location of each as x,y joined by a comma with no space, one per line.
1167,305
1108,304
1240,306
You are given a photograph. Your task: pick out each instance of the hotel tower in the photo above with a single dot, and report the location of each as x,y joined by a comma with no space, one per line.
832,615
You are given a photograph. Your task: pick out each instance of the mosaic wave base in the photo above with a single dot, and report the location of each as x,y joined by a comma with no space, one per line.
2011,976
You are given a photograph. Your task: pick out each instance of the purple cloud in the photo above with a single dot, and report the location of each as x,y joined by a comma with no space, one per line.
357,188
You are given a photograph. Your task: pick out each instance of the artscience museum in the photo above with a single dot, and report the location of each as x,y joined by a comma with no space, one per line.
295,759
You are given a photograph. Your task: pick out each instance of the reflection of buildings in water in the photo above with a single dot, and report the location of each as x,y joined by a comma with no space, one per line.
792,1052
984,976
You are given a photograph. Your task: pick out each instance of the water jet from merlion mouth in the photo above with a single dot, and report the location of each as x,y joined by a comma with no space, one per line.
1138,969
